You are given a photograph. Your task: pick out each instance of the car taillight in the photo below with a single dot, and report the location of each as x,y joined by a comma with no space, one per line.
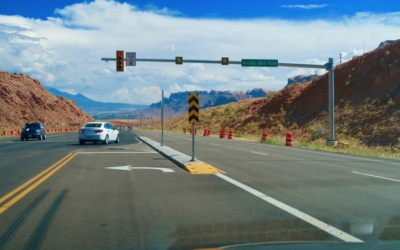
81,131
98,131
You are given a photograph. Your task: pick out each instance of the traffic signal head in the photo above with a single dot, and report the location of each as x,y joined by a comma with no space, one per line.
225,60
120,61
178,60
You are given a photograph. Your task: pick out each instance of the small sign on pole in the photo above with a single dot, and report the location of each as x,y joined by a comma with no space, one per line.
130,58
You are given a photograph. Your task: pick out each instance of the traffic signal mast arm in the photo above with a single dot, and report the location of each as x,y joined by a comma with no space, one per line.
294,65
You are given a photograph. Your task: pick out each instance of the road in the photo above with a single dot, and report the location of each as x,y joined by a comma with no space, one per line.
57,194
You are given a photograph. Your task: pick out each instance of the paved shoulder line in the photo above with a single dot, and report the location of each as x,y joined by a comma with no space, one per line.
376,176
303,216
182,160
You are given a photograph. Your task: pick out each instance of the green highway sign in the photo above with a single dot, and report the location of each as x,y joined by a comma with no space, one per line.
259,63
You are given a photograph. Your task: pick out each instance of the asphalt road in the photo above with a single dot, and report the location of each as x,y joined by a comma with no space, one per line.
57,194
346,191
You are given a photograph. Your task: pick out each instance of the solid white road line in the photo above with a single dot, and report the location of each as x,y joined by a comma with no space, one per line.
307,218
88,153
257,153
376,176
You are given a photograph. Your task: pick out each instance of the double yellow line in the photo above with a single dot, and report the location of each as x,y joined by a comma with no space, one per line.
37,180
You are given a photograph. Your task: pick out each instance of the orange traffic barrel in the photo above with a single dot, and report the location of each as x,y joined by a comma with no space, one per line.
222,134
230,135
289,139
184,130
4,133
205,132
264,137
208,132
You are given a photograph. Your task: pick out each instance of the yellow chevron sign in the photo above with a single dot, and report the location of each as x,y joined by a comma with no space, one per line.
194,113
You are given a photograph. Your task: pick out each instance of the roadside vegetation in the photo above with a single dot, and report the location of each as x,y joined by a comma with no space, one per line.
233,115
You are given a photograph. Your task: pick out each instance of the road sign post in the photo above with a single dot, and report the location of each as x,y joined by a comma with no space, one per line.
162,117
193,100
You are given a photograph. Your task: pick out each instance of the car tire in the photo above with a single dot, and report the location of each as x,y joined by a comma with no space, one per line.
117,140
40,137
106,140
27,138
22,138
44,137
95,142
81,142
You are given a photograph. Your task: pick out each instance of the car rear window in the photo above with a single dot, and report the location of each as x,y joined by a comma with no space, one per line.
93,125
32,125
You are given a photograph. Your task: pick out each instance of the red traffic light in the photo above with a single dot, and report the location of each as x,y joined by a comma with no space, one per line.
120,61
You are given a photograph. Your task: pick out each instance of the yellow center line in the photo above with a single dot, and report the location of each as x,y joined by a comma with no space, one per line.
33,186
32,180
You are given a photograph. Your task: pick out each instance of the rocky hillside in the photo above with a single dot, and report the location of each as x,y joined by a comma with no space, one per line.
23,99
176,103
302,79
367,104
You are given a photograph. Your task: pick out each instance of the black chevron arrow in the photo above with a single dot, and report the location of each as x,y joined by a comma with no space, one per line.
194,108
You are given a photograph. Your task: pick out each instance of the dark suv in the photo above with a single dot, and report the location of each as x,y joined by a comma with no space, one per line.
33,130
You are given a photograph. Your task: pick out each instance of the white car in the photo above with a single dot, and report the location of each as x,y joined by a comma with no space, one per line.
98,132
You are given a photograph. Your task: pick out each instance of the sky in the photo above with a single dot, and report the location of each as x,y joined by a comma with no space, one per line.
61,42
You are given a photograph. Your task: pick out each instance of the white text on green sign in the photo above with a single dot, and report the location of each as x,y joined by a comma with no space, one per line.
259,63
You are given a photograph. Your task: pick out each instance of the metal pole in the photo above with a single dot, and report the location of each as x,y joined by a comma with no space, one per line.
193,133
162,117
331,140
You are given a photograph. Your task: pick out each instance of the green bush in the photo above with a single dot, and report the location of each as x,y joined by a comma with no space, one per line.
215,112
228,110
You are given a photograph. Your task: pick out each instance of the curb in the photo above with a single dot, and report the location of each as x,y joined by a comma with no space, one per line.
180,159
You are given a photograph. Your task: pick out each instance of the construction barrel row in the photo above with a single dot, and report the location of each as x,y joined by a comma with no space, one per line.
222,135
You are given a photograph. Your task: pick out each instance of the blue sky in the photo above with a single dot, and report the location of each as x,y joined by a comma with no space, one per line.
61,42
232,9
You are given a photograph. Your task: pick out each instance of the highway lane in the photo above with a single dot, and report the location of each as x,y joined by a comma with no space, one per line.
91,203
318,183
21,160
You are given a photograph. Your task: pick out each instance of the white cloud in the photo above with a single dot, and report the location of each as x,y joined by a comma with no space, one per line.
64,51
305,7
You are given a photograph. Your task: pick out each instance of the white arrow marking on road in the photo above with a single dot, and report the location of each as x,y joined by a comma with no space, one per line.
257,153
130,168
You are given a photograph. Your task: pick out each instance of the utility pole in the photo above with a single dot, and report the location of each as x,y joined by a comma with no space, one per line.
340,58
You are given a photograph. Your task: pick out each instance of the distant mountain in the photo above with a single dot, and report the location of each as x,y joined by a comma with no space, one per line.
91,106
176,103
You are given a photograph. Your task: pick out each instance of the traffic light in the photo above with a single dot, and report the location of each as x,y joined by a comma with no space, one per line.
178,60
120,61
225,60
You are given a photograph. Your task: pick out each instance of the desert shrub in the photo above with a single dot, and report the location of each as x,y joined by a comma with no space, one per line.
228,110
316,131
215,112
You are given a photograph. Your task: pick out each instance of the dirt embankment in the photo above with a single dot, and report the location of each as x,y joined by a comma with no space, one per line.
23,99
